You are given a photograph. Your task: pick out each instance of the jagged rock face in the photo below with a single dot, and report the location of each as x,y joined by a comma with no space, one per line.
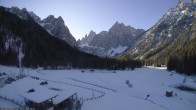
55,26
36,18
123,35
164,32
88,38
23,14
118,36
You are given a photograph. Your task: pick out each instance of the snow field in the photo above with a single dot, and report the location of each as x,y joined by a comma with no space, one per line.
105,90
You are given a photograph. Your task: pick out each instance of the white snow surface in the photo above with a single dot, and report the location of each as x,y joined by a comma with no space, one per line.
111,86
111,52
118,50
83,45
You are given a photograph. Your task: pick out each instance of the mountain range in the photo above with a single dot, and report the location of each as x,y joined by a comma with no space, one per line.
112,42
55,26
171,33
19,32
24,37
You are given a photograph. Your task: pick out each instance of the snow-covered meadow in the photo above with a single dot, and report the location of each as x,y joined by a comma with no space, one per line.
106,90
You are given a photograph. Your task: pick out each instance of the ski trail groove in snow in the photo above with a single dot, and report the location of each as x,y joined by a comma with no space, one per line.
95,90
93,84
83,87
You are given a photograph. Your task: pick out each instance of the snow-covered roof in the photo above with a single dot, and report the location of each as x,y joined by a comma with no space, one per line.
40,95
62,96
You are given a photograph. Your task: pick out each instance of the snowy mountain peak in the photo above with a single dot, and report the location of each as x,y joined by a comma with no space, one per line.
92,34
57,28
103,33
50,18
24,9
112,42
117,24
88,38
34,16
180,4
60,19
23,14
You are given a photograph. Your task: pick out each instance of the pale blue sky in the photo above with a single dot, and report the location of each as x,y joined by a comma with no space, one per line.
82,16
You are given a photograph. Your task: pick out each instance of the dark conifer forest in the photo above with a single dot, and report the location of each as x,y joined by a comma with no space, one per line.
184,60
42,49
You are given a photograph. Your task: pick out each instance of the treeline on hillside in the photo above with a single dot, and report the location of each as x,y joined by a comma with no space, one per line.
42,49
184,61
101,63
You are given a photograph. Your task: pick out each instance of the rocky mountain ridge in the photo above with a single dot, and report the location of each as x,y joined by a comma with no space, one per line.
162,36
55,26
119,37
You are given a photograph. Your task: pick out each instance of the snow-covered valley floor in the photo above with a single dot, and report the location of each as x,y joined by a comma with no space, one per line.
106,90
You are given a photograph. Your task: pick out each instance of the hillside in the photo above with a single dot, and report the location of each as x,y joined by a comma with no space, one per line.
55,26
27,38
38,46
175,29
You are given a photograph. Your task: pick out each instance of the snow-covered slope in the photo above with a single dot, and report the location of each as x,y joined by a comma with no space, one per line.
113,91
101,51
92,50
115,51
